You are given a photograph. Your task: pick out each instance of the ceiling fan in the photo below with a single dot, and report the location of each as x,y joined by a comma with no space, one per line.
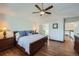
43,11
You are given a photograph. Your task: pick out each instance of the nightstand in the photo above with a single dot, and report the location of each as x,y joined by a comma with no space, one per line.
6,43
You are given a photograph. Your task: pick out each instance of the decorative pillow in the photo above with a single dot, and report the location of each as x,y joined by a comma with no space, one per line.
26,33
22,33
31,32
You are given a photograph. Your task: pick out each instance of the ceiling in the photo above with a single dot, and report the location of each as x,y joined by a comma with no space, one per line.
23,9
59,8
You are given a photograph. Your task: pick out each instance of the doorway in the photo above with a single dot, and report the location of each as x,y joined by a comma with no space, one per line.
70,27
44,30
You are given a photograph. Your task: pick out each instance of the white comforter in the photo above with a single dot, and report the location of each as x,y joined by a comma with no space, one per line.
26,40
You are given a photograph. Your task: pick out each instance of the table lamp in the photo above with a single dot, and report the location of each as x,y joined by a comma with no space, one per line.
4,31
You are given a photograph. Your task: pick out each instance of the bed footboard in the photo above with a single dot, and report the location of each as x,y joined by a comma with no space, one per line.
36,46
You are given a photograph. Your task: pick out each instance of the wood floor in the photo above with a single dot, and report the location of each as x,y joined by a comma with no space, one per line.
54,49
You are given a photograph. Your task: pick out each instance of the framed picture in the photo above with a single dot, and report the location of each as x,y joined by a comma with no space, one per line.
55,26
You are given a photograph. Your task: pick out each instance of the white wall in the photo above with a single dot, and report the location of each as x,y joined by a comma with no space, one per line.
57,34
4,23
18,23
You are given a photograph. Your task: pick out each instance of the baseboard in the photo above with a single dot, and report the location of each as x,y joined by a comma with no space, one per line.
57,40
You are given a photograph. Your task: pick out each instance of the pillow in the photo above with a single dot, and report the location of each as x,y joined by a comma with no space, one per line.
22,33
26,33
29,32
17,36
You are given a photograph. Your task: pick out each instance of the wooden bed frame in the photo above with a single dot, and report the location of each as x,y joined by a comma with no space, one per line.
34,47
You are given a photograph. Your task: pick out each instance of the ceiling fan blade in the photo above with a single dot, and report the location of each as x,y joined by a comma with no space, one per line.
49,8
47,12
38,7
35,12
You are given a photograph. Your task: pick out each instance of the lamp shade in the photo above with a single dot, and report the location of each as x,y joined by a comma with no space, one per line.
4,29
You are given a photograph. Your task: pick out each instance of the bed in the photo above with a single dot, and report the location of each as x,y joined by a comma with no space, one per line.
30,44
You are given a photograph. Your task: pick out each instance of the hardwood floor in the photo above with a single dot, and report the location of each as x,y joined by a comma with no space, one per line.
59,49
54,49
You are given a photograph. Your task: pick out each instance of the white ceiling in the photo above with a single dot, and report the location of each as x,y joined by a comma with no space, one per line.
59,8
22,9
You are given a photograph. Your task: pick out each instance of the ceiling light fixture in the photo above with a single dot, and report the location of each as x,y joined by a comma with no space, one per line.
42,12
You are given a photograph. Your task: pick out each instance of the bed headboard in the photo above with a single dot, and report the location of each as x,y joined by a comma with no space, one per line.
30,31
14,34
24,33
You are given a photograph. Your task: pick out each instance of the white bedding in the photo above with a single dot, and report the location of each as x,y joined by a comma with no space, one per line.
26,40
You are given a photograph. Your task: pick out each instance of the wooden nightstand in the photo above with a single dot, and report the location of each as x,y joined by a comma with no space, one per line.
6,43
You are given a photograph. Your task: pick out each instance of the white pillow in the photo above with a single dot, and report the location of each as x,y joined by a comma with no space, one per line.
17,36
